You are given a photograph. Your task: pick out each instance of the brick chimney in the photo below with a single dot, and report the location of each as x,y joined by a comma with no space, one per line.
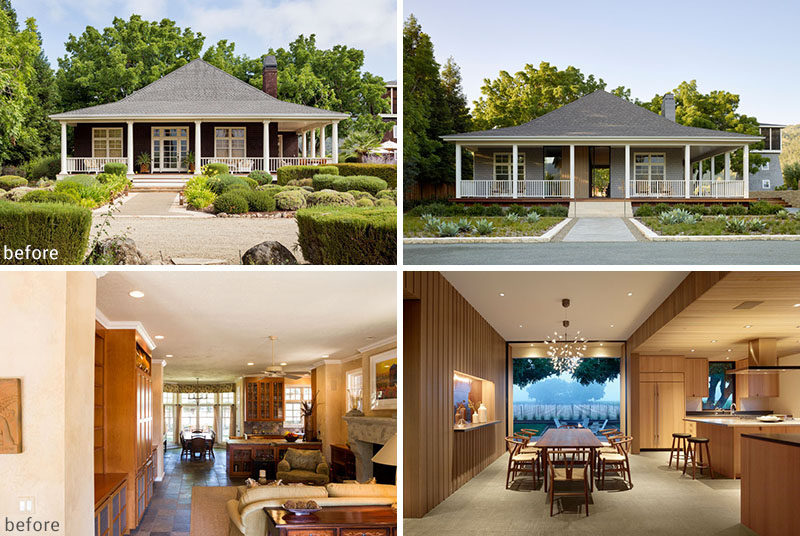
270,74
668,106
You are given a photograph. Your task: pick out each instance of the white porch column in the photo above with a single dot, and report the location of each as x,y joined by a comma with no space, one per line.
572,172
313,143
335,143
713,167
687,171
197,149
728,166
627,171
130,148
322,141
458,170
303,138
746,169
63,148
514,170
265,146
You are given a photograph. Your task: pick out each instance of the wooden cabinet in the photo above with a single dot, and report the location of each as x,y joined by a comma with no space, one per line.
145,480
662,408
343,463
756,385
696,377
111,504
661,363
264,399
243,458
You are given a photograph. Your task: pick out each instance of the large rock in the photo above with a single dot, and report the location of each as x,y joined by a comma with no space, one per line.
116,251
269,252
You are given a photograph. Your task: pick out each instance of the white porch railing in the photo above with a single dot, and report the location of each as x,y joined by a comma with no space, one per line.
237,164
716,189
276,162
86,164
532,188
486,189
539,188
657,188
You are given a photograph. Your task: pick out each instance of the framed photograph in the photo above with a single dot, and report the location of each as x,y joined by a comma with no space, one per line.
383,380
10,416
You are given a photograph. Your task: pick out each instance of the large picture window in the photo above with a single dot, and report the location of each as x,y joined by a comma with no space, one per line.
295,396
502,166
552,163
229,142
721,386
106,142
198,411
649,166
772,138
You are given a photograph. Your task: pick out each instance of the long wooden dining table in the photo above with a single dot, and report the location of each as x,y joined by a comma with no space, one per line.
569,438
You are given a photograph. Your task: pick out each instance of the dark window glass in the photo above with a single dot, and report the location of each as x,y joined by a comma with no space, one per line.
552,163
765,134
776,139
721,386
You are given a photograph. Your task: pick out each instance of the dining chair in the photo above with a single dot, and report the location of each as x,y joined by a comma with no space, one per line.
568,465
618,461
530,432
518,462
185,447
198,446
210,444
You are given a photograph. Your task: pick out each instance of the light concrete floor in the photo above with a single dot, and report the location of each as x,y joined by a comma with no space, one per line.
599,230
661,502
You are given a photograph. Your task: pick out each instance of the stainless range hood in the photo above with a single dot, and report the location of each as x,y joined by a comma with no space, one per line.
762,358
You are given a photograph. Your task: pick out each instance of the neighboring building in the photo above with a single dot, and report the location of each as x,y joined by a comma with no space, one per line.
601,146
391,96
770,174
203,110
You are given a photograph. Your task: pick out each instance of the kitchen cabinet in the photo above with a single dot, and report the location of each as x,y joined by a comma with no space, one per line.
264,399
662,407
756,385
110,504
696,377
661,363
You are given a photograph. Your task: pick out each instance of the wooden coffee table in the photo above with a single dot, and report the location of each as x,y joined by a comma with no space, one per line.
334,521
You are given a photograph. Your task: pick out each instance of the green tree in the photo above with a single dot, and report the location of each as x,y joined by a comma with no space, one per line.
791,175
530,93
223,55
102,67
527,371
715,110
361,143
596,370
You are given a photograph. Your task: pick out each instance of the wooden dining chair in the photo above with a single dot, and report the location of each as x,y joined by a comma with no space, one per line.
210,444
530,432
618,461
198,446
569,426
185,447
520,462
568,465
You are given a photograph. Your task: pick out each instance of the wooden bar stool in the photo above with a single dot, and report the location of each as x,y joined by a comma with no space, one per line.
694,452
678,449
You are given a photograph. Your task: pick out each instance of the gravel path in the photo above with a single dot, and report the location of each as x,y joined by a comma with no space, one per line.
208,238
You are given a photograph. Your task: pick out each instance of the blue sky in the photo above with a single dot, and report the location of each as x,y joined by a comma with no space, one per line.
254,25
650,47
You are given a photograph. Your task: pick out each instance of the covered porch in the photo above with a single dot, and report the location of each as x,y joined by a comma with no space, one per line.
634,170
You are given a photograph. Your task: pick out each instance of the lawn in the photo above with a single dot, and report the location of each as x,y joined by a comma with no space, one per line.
714,226
414,226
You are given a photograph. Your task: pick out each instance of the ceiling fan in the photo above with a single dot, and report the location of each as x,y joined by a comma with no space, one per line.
276,371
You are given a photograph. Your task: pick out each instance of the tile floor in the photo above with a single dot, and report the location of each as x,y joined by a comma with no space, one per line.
169,510
661,502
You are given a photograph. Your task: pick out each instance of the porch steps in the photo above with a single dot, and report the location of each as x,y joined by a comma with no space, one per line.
159,184
600,209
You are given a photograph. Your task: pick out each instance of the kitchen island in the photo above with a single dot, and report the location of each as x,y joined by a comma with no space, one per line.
247,456
770,473
724,434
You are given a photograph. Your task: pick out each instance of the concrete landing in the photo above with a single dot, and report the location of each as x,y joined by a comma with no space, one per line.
600,209
599,230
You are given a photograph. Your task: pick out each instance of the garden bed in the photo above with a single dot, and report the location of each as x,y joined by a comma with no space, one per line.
415,226
722,226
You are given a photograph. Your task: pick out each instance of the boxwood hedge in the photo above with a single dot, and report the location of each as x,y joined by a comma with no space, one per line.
7,182
288,173
362,183
46,196
44,226
259,200
232,202
387,172
115,168
348,235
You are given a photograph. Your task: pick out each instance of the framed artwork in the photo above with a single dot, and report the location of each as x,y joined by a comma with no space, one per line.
10,416
383,380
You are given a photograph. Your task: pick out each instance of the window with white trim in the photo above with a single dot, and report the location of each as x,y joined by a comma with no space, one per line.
649,166
765,184
106,142
355,383
772,138
230,142
502,166
295,396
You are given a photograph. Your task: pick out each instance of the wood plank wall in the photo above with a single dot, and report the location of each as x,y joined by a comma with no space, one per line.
443,333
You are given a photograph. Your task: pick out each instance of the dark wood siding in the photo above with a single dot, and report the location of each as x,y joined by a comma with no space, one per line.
83,137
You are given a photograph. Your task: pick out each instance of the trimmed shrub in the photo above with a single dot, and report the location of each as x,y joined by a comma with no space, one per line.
644,211
343,235
288,173
361,195
54,226
558,211
301,182
216,168
472,210
231,203
259,201
274,188
261,177
323,182
387,172
290,200
363,183
384,203
11,169
8,182
519,210
736,210
716,210
115,168
220,184
46,196
45,166
764,208
364,202
494,210
330,197
389,194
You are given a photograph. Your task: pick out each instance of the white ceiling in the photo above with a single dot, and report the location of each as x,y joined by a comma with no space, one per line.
533,299
213,323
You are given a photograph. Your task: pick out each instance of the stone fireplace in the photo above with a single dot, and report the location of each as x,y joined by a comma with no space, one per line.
362,433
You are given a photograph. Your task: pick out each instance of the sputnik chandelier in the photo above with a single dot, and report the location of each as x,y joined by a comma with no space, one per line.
565,353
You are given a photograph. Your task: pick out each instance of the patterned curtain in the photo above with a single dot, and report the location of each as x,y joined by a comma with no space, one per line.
202,388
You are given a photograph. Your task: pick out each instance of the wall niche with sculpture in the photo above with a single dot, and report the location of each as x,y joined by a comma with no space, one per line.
473,402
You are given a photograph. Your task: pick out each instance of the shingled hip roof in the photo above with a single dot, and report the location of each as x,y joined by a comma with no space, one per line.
600,115
198,89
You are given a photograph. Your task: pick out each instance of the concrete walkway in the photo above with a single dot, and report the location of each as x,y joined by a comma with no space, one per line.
148,204
599,230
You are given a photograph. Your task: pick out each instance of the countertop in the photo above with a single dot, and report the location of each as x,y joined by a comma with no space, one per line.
104,484
270,441
739,421
786,439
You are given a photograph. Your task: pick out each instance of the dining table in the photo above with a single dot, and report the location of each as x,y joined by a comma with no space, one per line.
569,438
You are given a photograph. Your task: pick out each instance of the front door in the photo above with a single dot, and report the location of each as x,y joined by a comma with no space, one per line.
169,146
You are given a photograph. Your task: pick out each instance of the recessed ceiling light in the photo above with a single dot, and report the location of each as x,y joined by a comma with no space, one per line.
692,349
168,355
325,355
729,350
520,325
714,340
504,295
601,344
630,293
531,344
796,305
612,325
136,294
250,364
284,364
748,326
159,337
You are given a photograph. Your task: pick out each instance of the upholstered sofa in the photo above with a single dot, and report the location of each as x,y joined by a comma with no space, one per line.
248,518
303,466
